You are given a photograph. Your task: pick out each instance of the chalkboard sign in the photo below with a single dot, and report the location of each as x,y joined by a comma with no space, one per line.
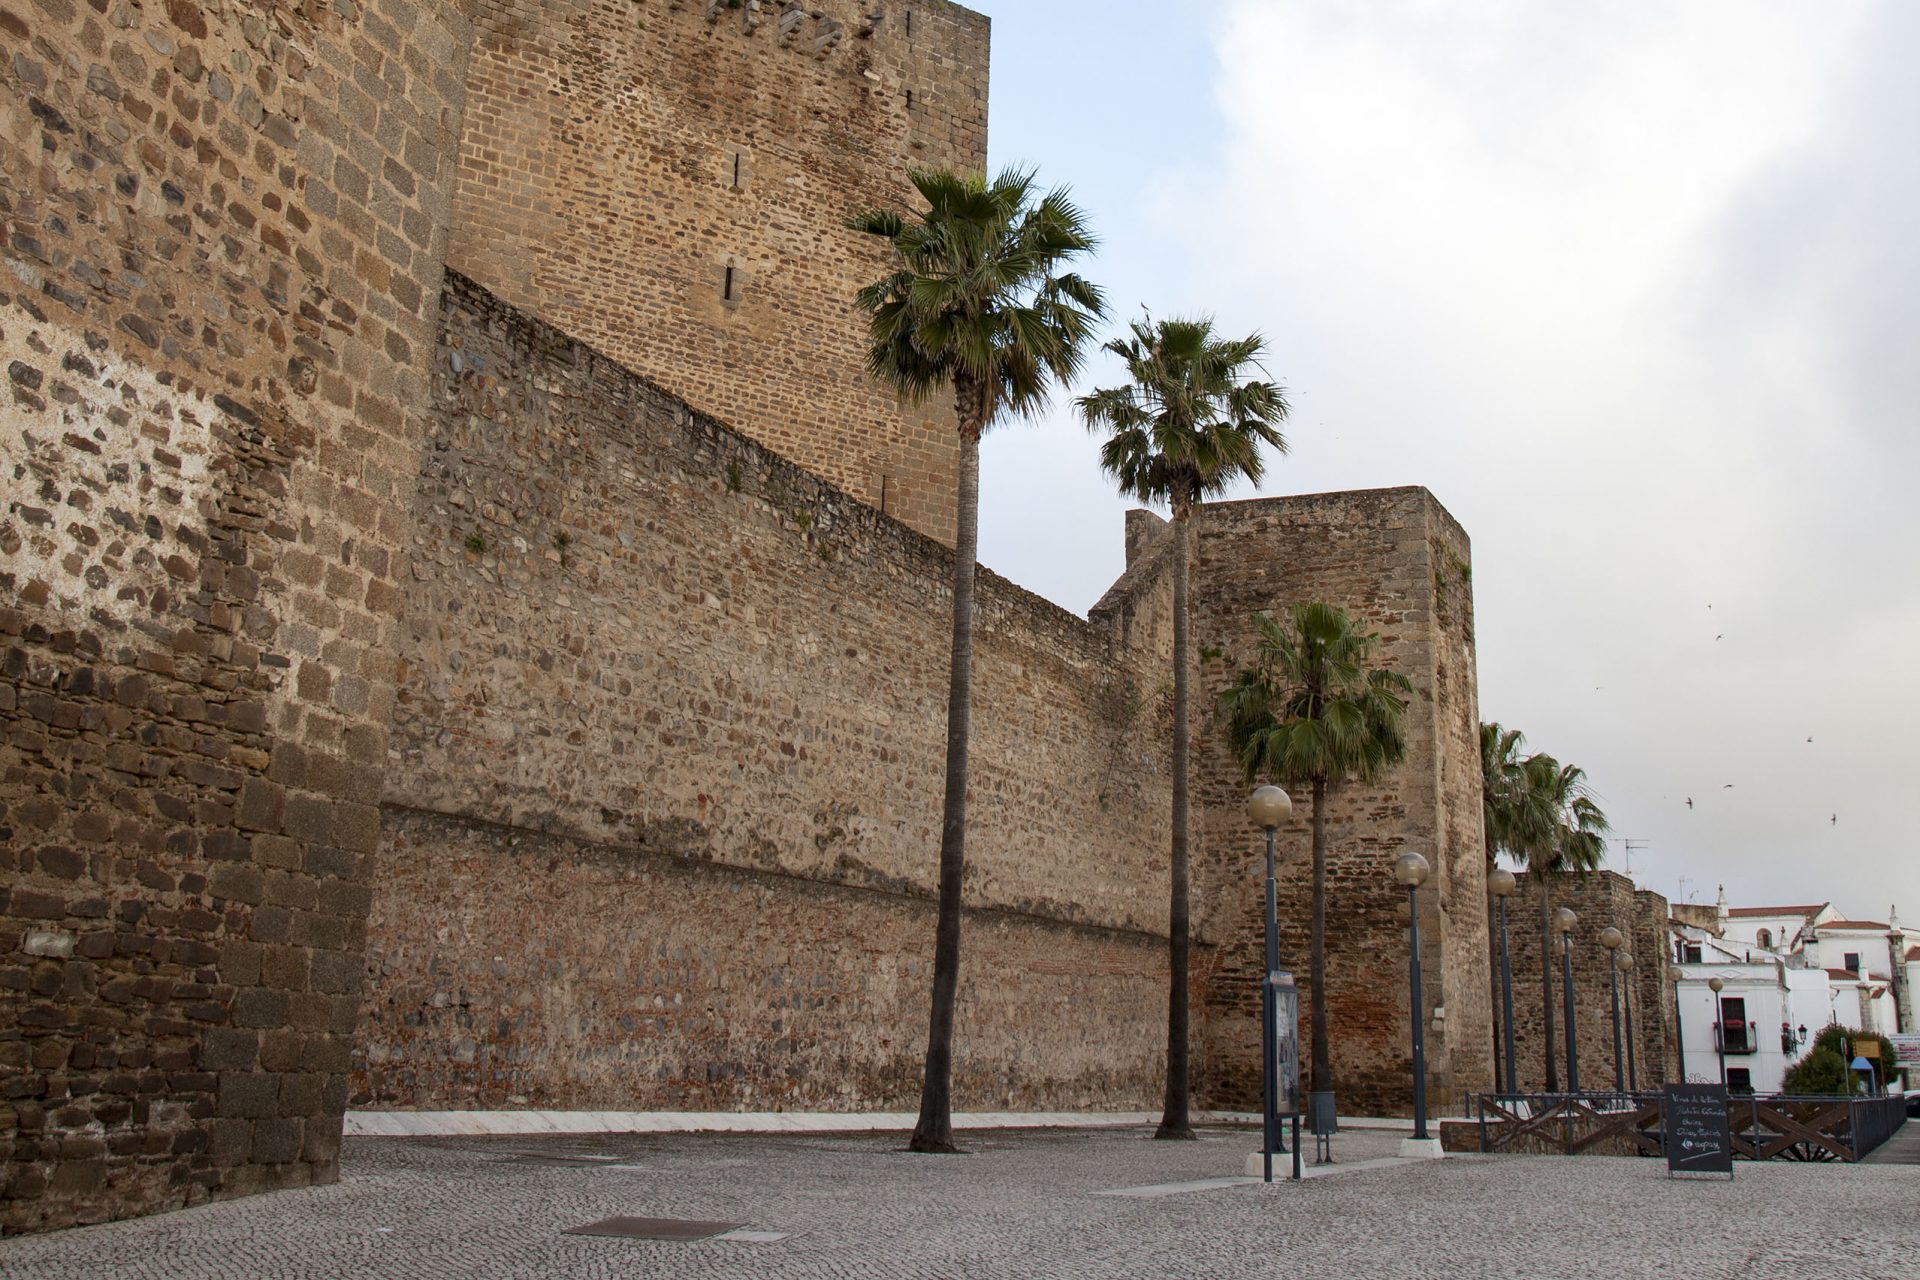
1698,1138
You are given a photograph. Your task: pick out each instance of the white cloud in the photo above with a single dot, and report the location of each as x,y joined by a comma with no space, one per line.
1631,288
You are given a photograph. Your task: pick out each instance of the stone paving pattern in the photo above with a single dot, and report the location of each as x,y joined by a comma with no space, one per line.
1020,1206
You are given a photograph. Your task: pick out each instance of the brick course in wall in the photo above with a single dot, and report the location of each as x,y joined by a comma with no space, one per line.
223,233
668,180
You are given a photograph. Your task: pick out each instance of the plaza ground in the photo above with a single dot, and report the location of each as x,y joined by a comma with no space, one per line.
1022,1204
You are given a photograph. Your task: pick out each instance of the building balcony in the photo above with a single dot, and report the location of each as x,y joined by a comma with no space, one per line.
1735,1037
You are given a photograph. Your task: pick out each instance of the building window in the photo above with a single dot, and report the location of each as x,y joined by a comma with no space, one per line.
1689,953
1851,962
1739,1080
1765,940
1735,1032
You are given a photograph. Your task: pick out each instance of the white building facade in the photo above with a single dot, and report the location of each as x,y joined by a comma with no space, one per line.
1785,973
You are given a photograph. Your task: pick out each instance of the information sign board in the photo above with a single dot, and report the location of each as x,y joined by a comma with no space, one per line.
1906,1051
1698,1138
1286,1043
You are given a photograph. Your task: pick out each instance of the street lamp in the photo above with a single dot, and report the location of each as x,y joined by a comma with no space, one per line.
1412,871
1564,919
1267,808
1611,938
1719,1031
1500,884
1677,977
1623,961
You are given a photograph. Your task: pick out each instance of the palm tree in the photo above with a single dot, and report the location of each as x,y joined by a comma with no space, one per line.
1499,786
1499,798
1556,827
976,301
1310,711
1189,424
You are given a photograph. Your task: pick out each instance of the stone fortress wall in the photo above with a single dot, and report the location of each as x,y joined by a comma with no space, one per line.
1598,898
408,688
666,775
223,230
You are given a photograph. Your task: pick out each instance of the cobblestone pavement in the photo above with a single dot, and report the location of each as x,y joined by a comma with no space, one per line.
1021,1205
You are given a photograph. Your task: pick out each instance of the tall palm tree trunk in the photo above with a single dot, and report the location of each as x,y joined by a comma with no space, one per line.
1322,1052
934,1131
1174,1118
1546,983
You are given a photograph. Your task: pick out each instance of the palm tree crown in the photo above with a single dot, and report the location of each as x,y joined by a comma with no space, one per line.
975,298
1556,824
1189,423
1500,785
1311,711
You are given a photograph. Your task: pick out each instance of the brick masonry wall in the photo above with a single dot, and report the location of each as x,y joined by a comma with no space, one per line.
1398,561
636,629
1599,899
667,180
223,232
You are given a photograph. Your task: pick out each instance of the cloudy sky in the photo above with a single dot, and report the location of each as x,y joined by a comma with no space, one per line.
1633,288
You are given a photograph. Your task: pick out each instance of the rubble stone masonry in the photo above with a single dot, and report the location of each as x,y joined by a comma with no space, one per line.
224,230
713,688
668,180
1599,899
1396,560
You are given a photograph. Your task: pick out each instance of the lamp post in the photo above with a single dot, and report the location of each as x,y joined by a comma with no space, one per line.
1676,977
1500,884
1719,1032
1267,808
1611,938
1412,870
1564,919
1623,961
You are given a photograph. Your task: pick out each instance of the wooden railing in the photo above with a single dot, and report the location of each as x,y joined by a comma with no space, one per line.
1778,1127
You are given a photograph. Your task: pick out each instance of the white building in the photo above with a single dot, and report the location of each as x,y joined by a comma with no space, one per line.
1785,973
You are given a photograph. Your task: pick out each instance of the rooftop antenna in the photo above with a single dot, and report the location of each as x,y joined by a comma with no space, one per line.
1683,889
1631,844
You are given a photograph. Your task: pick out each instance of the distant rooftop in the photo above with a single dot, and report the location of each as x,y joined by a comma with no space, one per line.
1881,925
1777,911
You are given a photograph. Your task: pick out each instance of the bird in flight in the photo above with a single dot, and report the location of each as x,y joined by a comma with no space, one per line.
1726,786
1834,820
1809,737
1689,802
1721,636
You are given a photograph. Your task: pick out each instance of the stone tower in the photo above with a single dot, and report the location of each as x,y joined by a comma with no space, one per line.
667,181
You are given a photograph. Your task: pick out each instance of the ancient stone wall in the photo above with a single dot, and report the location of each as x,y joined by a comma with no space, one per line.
1599,898
668,181
634,629
224,228
1398,561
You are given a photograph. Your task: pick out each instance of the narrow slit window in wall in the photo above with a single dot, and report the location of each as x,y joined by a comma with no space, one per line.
909,23
726,287
736,171
909,99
